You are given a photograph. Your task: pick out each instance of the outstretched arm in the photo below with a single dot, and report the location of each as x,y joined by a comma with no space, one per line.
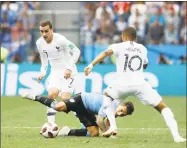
99,58
112,129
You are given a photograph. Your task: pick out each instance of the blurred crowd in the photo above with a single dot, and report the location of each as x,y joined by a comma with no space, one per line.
156,23
101,24
17,26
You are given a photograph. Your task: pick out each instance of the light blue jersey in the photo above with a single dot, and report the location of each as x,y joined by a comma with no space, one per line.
97,103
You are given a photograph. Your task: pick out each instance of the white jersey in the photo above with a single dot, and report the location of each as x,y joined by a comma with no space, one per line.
130,57
61,53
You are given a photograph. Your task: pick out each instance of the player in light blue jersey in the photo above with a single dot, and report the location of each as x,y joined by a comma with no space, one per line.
86,106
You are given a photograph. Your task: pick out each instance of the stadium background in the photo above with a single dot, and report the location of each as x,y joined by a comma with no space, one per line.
93,26
92,29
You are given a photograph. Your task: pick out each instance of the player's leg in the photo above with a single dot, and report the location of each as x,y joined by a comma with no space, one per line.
89,122
51,103
170,121
149,96
54,87
92,131
52,94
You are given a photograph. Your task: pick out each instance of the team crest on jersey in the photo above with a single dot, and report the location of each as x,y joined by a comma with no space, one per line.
58,49
72,100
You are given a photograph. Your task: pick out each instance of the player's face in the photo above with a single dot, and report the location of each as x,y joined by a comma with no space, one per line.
46,33
121,111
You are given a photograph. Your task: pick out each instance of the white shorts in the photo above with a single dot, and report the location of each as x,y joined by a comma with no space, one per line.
57,80
144,92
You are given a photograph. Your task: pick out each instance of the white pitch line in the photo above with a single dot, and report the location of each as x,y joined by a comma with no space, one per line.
149,129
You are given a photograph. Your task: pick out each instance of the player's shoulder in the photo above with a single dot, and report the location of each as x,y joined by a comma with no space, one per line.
115,45
39,41
141,47
59,36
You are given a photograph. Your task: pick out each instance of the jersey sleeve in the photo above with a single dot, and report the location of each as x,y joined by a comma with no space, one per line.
43,58
73,51
113,48
109,112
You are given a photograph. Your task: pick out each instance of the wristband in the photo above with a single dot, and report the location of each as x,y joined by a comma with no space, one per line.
90,66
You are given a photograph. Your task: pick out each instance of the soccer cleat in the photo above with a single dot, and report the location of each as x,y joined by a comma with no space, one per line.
179,140
64,131
28,95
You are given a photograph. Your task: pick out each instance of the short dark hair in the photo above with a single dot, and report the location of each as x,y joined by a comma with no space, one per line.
46,23
130,107
130,32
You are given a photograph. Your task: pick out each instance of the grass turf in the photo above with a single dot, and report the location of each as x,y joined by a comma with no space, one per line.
21,121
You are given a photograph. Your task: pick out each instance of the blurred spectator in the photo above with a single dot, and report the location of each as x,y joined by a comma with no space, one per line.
12,15
156,33
16,58
4,54
152,7
171,35
87,12
159,16
122,8
137,21
107,26
121,24
20,40
183,32
104,8
140,33
5,31
163,60
138,18
28,21
34,58
172,18
87,40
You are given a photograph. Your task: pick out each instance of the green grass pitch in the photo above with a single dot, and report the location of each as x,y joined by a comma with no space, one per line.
21,121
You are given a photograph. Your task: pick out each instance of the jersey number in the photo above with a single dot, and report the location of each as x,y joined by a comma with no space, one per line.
45,53
128,62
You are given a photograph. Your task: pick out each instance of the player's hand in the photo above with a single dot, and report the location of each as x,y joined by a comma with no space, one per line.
88,69
109,132
40,77
67,74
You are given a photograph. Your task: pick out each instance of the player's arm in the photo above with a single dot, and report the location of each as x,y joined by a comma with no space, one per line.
112,130
101,123
108,111
98,59
44,63
72,56
72,49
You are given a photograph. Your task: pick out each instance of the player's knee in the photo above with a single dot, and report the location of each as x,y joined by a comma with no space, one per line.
61,106
65,96
161,106
94,133
53,93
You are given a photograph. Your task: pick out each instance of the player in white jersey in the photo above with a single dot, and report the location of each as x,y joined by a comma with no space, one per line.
62,56
131,58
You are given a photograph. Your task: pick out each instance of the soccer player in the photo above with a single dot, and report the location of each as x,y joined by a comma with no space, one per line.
86,106
62,56
131,58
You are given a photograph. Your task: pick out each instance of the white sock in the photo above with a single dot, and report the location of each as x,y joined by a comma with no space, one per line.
51,115
170,122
